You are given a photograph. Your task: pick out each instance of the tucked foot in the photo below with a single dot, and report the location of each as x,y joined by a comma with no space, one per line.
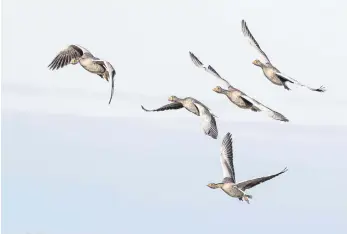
321,89
105,76
245,198
74,61
286,87
255,109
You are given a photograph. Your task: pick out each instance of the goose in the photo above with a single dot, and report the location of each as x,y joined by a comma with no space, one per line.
244,101
229,184
74,54
238,97
208,121
269,70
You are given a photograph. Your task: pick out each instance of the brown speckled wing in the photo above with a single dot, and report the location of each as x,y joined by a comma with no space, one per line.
171,106
251,183
195,60
247,33
65,56
227,158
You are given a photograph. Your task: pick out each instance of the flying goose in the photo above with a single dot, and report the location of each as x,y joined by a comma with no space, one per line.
243,101
229,184
74,54
269,70
194,106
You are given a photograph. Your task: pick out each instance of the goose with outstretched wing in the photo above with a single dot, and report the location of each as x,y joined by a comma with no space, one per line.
75,54
243,101
208,121
229,184
269,70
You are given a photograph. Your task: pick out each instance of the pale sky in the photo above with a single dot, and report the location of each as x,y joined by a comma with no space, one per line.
148,44
72,163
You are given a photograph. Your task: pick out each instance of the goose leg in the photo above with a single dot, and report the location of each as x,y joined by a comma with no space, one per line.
105,76
245,198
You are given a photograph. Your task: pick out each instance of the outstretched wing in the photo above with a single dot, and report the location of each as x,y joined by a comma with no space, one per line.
111,73
247,33
72,52
251,183
227,160
195,60
211,70
273,114
170,106
293,81
208,122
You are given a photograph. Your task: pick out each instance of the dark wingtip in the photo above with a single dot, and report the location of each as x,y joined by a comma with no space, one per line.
321,89
112,90
144,108
50,67
228,135
109,102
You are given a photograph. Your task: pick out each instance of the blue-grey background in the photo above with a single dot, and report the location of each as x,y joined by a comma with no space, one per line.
73,164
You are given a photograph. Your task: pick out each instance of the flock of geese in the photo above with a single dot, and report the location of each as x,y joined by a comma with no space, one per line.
75,54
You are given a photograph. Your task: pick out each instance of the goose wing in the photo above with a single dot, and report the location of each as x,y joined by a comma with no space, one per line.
293,81
111,73
170,106
254,182
273,114
227,160
247,33
195,60
208,122
65,56
197,101
211,70
193,100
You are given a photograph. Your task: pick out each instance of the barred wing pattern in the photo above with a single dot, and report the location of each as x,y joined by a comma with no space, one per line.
195,60
227,160
66,56
253,182
293,81
273,114
208,122
170,106
247,33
